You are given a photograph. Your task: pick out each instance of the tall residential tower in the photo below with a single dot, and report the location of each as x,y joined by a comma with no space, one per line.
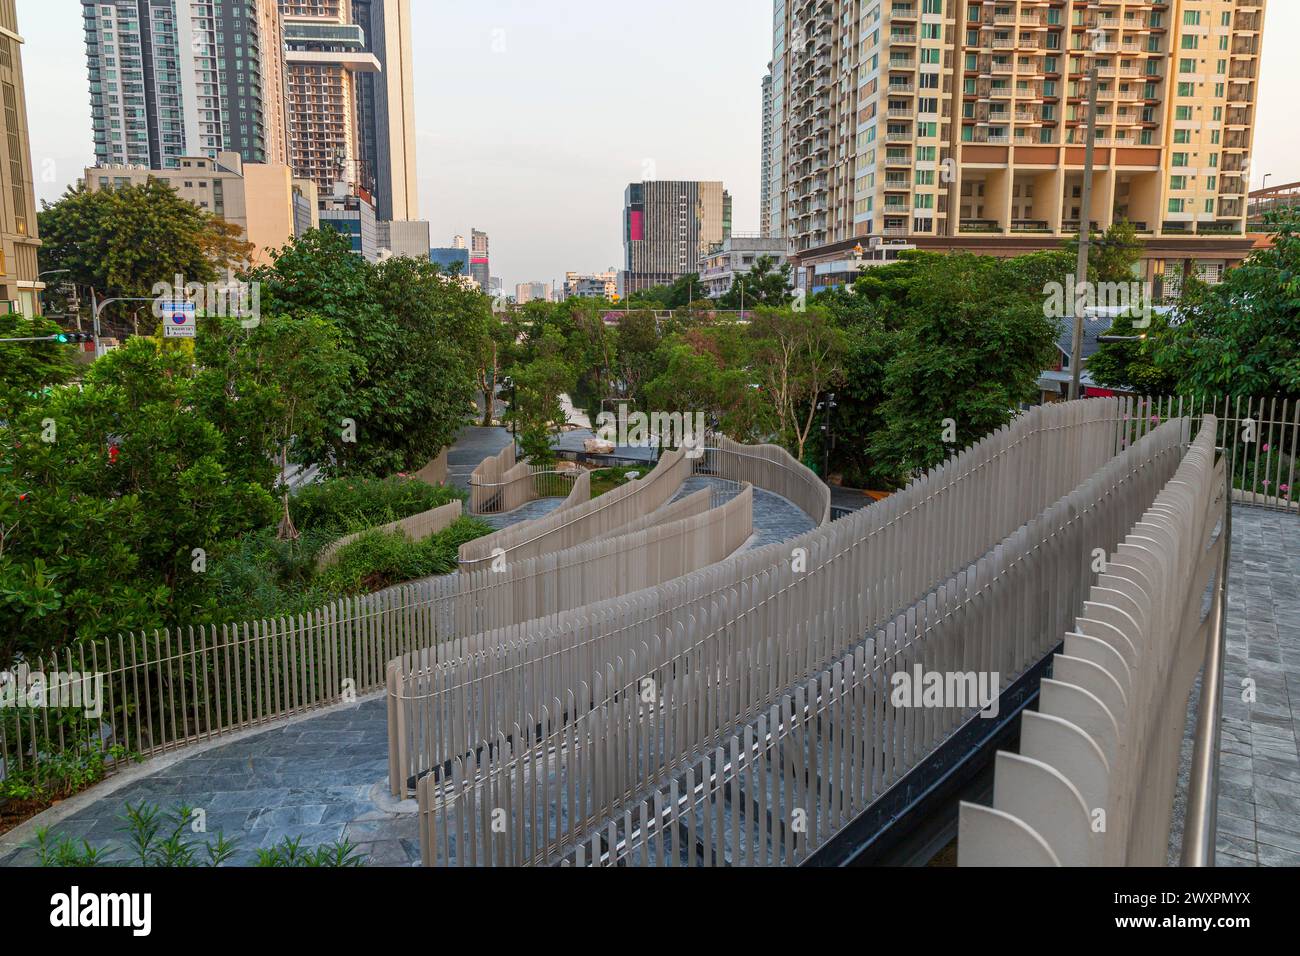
173,78
962,124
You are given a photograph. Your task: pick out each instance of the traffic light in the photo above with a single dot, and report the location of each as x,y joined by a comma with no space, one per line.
73,338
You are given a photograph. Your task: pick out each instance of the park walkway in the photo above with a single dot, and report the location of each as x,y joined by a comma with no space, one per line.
320,778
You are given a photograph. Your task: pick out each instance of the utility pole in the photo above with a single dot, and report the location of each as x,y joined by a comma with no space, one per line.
1085,225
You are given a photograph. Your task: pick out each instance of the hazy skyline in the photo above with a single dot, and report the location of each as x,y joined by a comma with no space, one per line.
533,117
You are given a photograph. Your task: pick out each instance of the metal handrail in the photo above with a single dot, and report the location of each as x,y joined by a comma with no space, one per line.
1200,827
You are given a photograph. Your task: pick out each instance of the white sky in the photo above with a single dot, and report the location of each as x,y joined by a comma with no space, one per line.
534,115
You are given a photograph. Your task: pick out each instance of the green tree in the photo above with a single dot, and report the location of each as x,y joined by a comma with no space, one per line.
1242,336
27,367
413,333
121,242
1133,366
799,356
106,493
268,390
764,284
971,345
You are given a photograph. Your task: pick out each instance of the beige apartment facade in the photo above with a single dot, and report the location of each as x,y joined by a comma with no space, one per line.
962,124
265,201
19,272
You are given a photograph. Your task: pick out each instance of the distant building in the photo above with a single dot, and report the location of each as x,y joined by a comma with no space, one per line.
480,266
527,292
602,285
735,256
19,274
264,200
452,257
175,79
404,238
354,216
386,108
667,226
765,160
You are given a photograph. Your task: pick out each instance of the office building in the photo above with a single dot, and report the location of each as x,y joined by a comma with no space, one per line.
667,226
353,214
386,108
734,258
451,258
263,200
409,238
480,267
173,78
20,282
961,124
526,292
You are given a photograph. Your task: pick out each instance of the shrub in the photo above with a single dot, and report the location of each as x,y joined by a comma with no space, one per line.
379,559
347,505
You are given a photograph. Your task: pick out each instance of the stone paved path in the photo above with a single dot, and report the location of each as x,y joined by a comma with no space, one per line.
1259,775
321,779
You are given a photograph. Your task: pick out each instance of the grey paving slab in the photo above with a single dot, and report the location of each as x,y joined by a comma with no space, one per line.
298,781
1259,758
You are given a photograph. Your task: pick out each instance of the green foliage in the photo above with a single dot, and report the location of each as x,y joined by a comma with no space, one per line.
27,367
73,756
289,852
1112,254
1242,336
1133,366
121,242
607,479
344,505
414,334
380,559
765,284
99,517
166,839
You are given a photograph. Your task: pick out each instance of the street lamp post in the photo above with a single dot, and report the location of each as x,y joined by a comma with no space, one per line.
1085,226
99,308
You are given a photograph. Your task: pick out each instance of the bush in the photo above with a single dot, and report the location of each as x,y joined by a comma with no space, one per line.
379,559
347,505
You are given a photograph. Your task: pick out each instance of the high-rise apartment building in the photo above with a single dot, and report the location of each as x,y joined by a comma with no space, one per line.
324,51
480,268
351,98
386,108
962,124
20,283
765,160
173,78
667,225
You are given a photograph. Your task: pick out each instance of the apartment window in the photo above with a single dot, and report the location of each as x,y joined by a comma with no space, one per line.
1177,182
1180,159
1176,205
1183,112
1192,18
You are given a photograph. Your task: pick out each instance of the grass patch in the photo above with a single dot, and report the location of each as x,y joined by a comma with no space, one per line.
607,479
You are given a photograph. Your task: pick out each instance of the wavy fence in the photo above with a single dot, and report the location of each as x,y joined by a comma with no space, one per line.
539,593
435,472
502,484
1104,745
819,594
417,528
772,468
569,527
